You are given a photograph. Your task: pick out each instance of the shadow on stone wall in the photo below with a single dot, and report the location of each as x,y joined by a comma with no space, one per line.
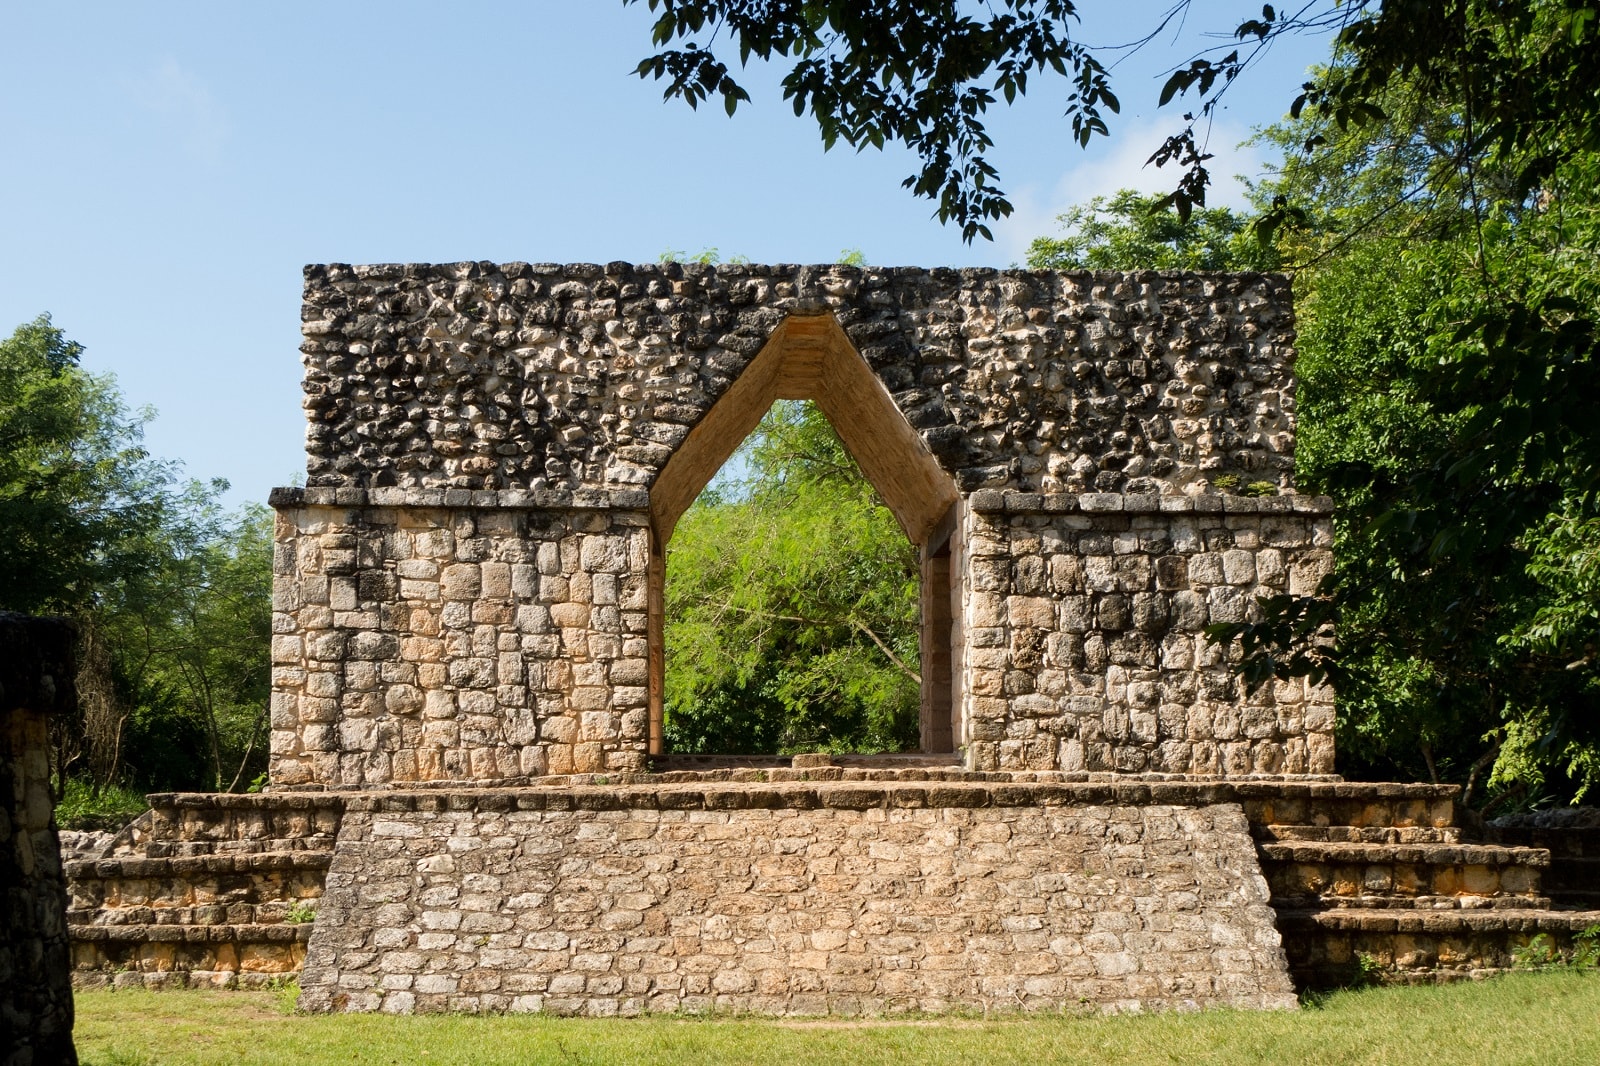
35,979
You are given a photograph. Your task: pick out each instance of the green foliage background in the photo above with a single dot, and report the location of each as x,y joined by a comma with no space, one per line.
1439,206
791,604
1450,402
171,596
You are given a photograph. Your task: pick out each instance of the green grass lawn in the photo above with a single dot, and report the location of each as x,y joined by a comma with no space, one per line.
1523,1018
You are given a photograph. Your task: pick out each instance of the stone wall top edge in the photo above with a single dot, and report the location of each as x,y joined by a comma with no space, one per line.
828,775
644,794
837,795
583,499
988,501
468,269
1001,501
879,795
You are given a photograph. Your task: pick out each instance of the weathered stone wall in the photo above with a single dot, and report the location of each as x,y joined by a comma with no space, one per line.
421,643
1084,633
36,672
465,586
790,900
518,376
495,640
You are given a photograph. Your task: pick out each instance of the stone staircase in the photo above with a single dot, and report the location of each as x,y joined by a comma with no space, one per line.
204,890
1381,881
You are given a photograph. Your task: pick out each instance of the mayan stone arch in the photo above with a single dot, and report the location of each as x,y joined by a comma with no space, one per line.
468,589
466,785
809,357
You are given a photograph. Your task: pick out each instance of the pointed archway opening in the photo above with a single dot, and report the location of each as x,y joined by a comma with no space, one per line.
809,358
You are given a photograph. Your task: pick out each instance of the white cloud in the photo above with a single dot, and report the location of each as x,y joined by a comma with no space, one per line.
1120,164
185,107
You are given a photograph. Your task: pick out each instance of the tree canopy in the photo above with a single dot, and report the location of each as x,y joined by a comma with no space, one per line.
1130,231
170,594
75,483
1449,402
925,74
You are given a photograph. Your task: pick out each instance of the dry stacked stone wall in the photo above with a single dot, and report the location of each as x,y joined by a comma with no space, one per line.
581,376
791,899
36,672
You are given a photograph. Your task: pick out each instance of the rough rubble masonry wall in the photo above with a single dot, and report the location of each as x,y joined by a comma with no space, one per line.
462,587
518,376
788,901
36,671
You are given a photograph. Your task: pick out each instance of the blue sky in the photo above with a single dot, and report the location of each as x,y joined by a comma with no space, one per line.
171,166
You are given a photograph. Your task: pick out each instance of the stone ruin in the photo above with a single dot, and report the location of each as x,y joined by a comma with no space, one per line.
469,587
468,777
36,685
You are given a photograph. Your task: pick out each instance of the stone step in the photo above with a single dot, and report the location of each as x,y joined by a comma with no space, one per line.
127,867
273,912
1561,841
230,817
1357,804
670,763
173,849
1414,854
197,880
1333,871
1336,946
1574,881
1575,873
178,980
1413,903
1349,834
102,952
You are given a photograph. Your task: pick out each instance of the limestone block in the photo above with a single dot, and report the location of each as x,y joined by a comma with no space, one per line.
1205,568
461,581
1239,567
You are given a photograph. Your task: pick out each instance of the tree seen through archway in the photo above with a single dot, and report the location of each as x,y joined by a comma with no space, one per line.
791,604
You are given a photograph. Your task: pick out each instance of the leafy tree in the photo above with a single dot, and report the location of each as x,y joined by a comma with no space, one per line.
1131,231
171,596
872,73
76,487
192,649
1448,370
925,74
791,604
1466,536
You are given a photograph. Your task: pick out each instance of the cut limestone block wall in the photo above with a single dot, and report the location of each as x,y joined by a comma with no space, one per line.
791,899
1084,621
420,643
1359,874
36,681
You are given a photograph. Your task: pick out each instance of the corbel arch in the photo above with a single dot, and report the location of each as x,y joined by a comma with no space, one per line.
809,357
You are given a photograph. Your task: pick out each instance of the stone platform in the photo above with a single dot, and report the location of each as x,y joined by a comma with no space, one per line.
819,889
794,898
